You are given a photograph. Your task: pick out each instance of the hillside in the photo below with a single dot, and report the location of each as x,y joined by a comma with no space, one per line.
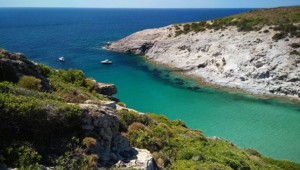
256,51
63,120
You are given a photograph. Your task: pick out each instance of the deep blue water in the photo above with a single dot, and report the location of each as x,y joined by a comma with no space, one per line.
272,127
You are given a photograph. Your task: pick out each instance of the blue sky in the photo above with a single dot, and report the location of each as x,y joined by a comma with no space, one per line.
150,3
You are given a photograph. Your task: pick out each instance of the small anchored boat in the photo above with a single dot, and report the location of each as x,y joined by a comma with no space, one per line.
106,61
61,59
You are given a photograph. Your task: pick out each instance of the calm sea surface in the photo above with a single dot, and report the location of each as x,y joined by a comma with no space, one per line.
272,127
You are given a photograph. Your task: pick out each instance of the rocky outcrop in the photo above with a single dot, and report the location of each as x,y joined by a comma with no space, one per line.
15,65
101,122
251,61
106,89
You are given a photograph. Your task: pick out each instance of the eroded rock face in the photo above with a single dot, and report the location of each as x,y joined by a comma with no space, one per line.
15,65
106,89
247,60
101,122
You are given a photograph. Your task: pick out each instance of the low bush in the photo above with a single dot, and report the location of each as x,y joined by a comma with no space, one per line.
20,155
76,159
90,84
44,70
30,82
45,123
278,36
128,117
294,52
295,45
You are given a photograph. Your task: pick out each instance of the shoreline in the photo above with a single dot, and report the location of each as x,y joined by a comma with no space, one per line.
234,90
258,67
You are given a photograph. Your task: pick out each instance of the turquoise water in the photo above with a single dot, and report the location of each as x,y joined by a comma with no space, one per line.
270,126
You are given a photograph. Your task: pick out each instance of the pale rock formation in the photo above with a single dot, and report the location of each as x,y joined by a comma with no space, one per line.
251,61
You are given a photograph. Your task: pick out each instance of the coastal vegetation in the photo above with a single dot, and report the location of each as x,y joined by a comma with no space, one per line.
175,146
283,20
43,127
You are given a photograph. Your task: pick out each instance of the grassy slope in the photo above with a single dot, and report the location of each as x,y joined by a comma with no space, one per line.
285,20
36,125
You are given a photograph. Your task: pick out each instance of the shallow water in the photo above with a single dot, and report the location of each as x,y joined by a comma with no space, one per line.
270,126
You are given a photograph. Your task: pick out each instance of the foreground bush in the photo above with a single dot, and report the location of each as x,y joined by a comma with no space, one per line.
30,82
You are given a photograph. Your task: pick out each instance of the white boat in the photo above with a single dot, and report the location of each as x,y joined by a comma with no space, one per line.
61,58
106,61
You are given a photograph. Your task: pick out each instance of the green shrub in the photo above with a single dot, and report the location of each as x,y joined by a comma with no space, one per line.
185,155
186,27
128,117
90,84
282,164
140,138
177,33
278,36
76,159
192,165
41,122
294,52
73,87
20,155
250,21
295,45
30,82
73,76
45,70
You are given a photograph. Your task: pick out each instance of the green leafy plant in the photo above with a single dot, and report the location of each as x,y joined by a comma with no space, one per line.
21,155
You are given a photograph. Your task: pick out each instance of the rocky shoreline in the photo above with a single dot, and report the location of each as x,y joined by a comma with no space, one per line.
250,61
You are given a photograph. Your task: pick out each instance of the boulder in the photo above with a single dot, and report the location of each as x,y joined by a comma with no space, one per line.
106,89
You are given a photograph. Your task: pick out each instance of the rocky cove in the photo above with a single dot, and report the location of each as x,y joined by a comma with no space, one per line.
60,119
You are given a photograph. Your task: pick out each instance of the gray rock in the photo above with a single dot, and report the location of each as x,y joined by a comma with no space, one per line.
102,123
106,89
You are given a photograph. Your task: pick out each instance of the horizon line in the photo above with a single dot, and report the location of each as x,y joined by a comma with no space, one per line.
149,8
